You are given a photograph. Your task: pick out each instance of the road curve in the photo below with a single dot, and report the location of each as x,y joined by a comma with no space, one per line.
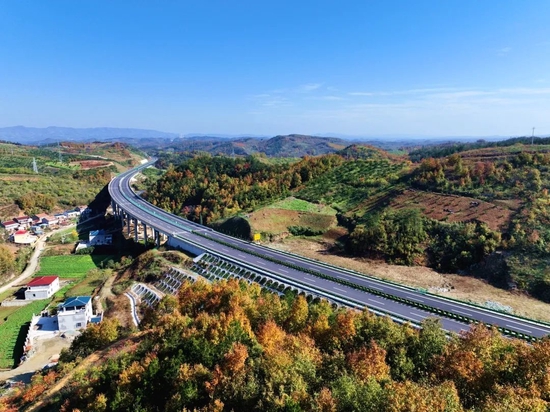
247,252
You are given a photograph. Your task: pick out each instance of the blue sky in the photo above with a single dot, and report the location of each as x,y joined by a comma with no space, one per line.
365,68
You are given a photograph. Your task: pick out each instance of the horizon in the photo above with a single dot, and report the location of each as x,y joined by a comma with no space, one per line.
423,69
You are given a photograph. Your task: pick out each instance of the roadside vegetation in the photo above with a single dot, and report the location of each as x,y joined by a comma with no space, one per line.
230,346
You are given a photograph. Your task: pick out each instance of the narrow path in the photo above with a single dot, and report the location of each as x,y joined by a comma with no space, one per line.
135,318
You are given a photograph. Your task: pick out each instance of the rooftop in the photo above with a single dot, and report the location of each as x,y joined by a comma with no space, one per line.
42,281
76,301
21,232
9,222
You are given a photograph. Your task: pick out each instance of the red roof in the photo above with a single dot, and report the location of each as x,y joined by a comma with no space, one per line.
42,281
21,232
10,222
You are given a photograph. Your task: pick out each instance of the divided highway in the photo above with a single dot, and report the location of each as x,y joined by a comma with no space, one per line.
284,265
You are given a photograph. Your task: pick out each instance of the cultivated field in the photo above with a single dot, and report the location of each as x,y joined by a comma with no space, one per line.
452,208
70,266
10,346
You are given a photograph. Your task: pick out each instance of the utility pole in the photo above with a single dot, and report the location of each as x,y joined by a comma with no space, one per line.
59,150
34,166
533,137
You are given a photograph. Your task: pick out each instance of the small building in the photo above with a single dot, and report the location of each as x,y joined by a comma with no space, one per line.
42,287
60,216
50,220
23,220
71,214
75,313
37,230
23,237
84,210
10,225
38,218
99,237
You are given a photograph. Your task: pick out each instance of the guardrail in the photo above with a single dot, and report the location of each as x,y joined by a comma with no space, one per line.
409,302
410,288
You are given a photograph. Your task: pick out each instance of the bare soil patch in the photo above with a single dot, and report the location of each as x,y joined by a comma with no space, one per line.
118,307
91,164
457,287
453,208
276,221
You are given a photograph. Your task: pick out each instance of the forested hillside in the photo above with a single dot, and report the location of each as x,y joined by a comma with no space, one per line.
451,213
230,346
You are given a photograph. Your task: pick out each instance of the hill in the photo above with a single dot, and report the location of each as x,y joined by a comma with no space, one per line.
75,180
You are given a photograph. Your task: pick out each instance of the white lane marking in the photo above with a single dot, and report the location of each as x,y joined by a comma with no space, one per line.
417,315
515,327
341,290
285,271
225,250
260,263
374,287
375,301
241,255
341,277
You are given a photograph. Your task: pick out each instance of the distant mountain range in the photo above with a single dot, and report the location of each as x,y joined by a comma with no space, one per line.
293,145
34,135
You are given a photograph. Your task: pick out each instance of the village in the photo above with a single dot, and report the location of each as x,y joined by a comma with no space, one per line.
45,305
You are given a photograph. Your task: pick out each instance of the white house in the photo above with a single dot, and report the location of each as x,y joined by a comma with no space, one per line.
23,220
23,237
72,213
10,225
75,313
42,287
98,237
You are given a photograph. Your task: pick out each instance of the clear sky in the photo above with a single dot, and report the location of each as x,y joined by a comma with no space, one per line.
266,67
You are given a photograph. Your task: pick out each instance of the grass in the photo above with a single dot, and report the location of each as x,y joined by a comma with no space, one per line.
6,311
71,266
87,285
300,205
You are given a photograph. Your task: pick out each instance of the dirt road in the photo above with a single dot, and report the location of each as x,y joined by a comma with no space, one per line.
33,262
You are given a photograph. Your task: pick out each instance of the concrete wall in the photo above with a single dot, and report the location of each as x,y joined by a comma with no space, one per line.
37,293
180,244
71,320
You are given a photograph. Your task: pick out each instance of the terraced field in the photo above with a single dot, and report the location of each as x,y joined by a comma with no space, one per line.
12,334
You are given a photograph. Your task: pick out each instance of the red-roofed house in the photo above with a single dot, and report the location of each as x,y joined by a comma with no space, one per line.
42,287
10,225
23,237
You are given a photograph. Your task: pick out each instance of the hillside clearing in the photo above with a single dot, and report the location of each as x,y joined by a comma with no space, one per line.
452,208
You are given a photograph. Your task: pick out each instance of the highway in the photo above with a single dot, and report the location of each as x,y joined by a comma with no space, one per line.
238,250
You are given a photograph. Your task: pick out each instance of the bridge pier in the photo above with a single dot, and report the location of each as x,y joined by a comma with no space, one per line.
145,233
128,221
136,230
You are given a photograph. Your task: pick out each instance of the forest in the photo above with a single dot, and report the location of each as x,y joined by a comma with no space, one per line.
361,183
229,346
